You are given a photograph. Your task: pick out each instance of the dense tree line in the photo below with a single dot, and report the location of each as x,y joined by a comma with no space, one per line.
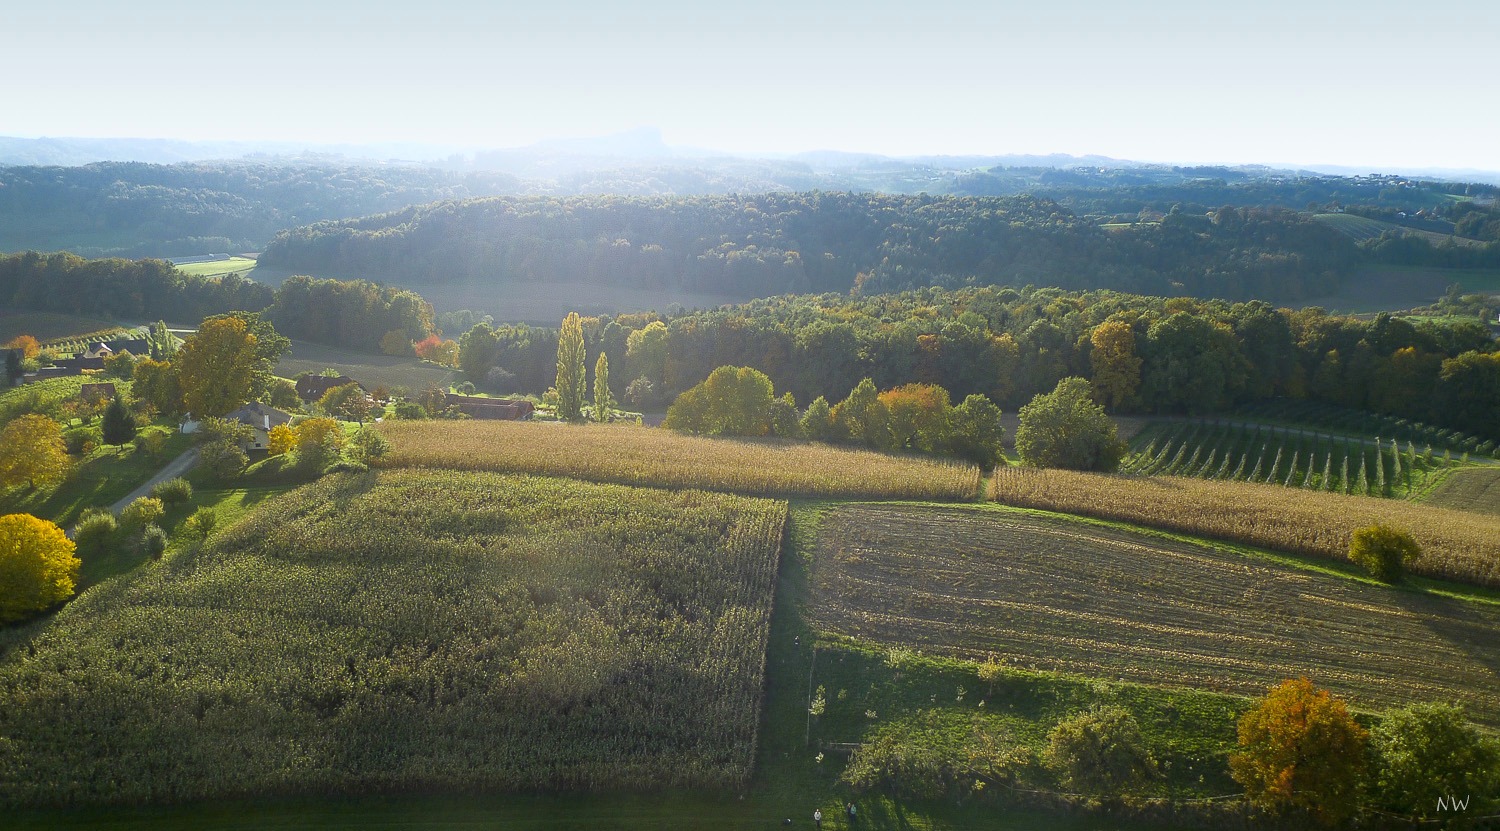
134,209
116,288
1144,354
777,243
353,313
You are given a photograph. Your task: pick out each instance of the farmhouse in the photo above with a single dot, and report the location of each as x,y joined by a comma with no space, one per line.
261,418
311,387
503,409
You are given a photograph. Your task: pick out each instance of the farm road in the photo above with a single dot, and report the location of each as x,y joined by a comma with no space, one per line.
1300,431
174,468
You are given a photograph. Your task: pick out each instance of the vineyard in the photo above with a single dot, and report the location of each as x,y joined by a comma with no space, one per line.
406,631
1456,545
1058,594
1333,419
1288,457
642,456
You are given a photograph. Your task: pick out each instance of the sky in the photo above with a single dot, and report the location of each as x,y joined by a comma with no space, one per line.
1341,82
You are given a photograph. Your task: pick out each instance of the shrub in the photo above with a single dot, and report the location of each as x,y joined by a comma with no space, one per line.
201,524
173,491
935,754
409,410
1100,751
80,440
369,444
145,511
37,566
94,531
1383,551
224,459
153,542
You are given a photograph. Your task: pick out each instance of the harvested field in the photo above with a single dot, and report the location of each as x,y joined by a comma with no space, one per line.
1456,545
646,456
370,370
1078,597
1472,489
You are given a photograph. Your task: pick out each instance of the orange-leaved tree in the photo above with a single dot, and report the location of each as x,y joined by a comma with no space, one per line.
1301,749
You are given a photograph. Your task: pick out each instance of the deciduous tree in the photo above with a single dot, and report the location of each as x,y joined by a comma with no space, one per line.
1066,429
603,400
1117,368
1428,752
37,566
1100,751
217,366
32,452
570,368
732,401
1383,551
1301,749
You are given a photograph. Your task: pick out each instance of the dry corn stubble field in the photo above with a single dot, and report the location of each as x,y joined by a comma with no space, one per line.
648,456
1079,597
1456,545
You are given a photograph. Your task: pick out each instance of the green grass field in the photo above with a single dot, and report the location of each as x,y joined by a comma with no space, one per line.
1391,288
216,268
1472,489
370,370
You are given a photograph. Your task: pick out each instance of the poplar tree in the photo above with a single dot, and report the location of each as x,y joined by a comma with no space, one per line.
603,401
570,368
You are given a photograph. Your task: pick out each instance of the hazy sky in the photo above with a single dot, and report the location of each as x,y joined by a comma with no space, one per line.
1358,82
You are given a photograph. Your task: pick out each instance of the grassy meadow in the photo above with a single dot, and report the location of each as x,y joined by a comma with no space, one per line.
409,630
662,458
1056,594
1456,545
218,267
368,369
1474,489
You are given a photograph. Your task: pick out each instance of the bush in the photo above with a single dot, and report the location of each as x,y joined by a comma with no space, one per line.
173,491
94,531
409,410
223,459
80,440
369,444
1100,751
1383,551
145,511
201,524
153,542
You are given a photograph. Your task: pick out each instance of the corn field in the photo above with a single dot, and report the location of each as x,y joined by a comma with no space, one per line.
410,630
1456,545
1057,594
663,458
1276,456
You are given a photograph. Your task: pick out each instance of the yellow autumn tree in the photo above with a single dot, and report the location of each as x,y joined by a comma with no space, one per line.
282,439
37,566
1117,367
216,367
32,453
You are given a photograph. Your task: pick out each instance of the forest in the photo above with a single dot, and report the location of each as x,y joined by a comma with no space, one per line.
761,245
1144,354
